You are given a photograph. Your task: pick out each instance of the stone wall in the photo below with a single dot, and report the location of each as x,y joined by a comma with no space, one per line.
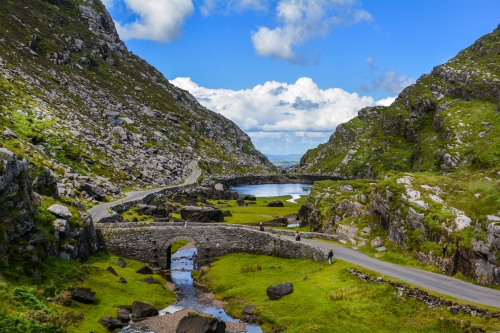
149,242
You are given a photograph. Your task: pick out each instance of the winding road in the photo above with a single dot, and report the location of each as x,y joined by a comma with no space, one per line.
431,281
442,284
101,211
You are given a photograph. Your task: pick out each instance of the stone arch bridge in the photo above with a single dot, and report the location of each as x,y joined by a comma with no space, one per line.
151,242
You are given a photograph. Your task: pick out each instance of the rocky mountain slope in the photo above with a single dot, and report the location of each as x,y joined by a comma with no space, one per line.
431,168
75,100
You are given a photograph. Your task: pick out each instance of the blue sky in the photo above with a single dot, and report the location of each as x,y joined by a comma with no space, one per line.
289,71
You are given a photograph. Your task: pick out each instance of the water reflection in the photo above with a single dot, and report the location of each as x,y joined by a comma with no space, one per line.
273,190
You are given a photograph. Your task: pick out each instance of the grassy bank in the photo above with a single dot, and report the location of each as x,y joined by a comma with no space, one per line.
58,276
258,212
325,299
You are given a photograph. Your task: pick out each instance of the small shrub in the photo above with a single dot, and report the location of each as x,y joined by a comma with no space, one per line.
63,298
251,268
26,297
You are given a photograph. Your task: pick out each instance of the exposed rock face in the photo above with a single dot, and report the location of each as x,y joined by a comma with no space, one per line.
278,291
83,296
198,324
202,214
143,310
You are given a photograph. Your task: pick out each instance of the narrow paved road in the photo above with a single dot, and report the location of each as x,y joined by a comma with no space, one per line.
431,281
101,211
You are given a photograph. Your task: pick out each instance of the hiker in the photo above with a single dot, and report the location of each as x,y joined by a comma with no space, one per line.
261,228
195,261
444,250
186,223
330,256
297,236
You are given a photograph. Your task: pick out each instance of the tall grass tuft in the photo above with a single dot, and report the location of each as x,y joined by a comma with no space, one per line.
251,268
338,296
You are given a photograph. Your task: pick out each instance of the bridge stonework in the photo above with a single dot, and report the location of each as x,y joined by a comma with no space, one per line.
149,242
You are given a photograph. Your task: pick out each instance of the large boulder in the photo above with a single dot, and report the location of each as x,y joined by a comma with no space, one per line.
143,310
60,211
198,324
92,189
111,323
202,214
276,203
278,291
250,198
83,296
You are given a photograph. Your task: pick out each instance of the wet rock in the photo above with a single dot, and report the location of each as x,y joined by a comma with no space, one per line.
144,270
124,314
60,211
278,291
276,203
112,270
111,323
247,315
143,310
120,262
83,296
198,324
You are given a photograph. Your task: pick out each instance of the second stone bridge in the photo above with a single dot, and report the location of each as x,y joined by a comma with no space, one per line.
151,242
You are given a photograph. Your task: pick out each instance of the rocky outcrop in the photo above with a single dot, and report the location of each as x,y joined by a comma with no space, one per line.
85,296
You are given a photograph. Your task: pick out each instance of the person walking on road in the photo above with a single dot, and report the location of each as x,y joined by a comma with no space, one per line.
261,228
297,236
186,223
330,256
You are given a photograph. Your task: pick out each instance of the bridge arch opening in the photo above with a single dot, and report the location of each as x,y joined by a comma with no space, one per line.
166,249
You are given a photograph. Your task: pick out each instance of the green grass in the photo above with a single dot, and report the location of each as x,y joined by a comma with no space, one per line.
259,212
177,245
19,297
325,298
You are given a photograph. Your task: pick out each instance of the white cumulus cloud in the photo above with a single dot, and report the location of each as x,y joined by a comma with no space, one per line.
281,107
157,20
302,20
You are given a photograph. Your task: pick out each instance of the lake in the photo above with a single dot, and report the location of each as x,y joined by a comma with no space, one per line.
274,190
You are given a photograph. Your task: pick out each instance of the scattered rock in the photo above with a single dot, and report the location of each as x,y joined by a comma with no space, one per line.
83,296
122,280
124,314
227,213
250,198
143,310
198,324
7,134
112,270
60,211
346,188
276,203
111,323
278,291
247,314
121,263
151,280
376,242
144,270
381,249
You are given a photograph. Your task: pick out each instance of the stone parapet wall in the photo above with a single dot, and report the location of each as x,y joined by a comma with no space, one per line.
149,242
